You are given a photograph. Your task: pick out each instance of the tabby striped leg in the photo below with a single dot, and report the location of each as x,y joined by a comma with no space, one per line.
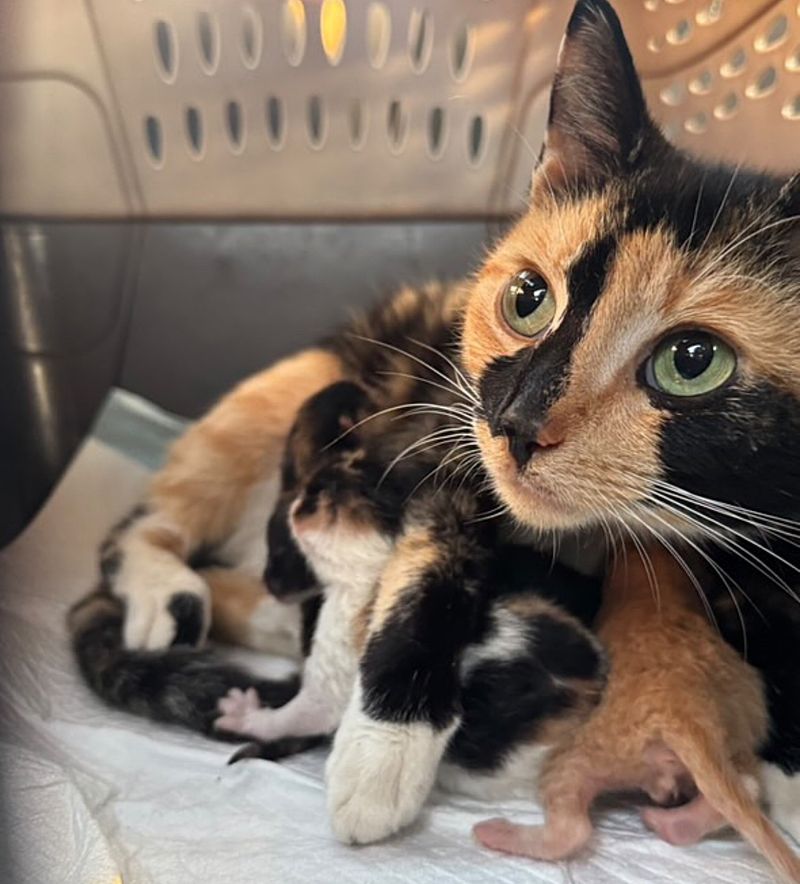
214,472
406,704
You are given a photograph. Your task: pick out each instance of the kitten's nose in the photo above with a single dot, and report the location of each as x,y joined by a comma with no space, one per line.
526,437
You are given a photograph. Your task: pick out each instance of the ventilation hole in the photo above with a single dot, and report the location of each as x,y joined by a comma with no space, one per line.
735,64
793,61
154,140
673,95
651,5
358,125
775,34
234,124
379,34
697,124
791,110
476,140
763,85
710,14
701,84
252,38
420,39
462,51
276,126
166,51
316,121
396,125
437,132
293,31
208,42
194,131
333,29
655,44
728,107
680,33
669,132
674,2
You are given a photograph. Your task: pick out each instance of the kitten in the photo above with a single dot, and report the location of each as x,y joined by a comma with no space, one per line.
682,716
531,670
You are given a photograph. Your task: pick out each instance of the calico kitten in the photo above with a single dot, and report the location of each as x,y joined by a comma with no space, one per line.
682,716
529,669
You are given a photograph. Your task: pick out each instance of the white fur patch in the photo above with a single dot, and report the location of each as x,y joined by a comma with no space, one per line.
782,792
148,580
506,641
246,548
379,774
517,778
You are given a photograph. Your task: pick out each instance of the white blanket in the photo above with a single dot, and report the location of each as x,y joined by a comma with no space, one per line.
98,796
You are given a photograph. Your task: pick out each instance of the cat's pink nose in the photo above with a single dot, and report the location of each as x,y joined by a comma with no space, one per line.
526,438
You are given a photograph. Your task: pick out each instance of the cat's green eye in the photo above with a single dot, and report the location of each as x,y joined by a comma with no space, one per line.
690,363
528,304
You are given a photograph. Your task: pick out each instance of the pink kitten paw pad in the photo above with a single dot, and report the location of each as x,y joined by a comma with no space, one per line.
235,707
497,834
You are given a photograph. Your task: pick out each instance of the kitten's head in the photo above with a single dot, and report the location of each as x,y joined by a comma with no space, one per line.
320,438
334,518
635,339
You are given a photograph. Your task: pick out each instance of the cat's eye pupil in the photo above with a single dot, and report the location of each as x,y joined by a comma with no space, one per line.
531,290
693,355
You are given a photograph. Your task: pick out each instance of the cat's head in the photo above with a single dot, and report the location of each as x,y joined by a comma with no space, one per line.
635,339
334,518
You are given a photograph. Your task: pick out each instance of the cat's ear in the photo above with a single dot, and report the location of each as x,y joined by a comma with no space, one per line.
598,124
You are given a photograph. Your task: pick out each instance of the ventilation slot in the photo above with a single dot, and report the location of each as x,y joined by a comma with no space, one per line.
791,110
462,52
681,33
437,132
476,140
701,84
379,34
316,122
697,124
208,42
194,131
793,61
711,14
293,31
735,64
773,36
154,141
673,95
276,122
396,126
763,85
166,51
333,29
252,38
728,107
420,40
358,125
234,125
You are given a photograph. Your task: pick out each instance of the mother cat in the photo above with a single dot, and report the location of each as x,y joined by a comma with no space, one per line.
633,347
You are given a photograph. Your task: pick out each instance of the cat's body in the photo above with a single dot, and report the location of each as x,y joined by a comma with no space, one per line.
628,361
529,668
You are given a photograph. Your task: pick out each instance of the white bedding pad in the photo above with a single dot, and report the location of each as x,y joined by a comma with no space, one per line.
95,794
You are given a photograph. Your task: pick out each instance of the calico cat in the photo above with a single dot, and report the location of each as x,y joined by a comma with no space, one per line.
682,718
625,360
530,669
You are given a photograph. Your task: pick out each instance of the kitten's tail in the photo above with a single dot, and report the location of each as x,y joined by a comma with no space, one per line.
177,685
726,791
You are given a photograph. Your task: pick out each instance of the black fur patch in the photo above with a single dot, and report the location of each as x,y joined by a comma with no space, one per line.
187,611
563,651
287,572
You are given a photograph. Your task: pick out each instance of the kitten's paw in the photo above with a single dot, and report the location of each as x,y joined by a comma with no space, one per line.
497,834
242,713
379,775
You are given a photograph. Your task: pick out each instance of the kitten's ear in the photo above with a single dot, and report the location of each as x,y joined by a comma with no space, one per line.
598,124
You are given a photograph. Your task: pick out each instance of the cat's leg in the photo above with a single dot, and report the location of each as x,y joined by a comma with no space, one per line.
406,703
328,678
567,794
199,496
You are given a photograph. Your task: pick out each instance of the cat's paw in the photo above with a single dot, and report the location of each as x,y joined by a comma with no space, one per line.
166,603
242,713
379,775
